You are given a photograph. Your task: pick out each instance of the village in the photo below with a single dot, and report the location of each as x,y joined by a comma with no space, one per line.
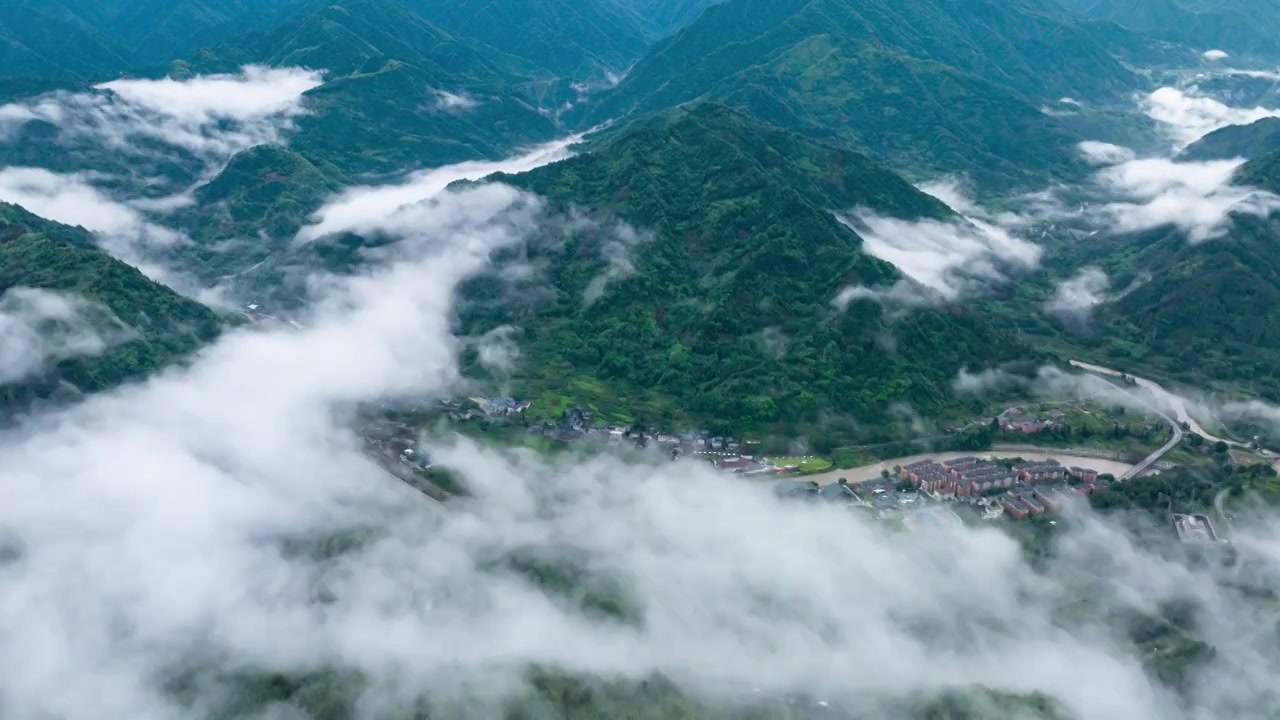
990,488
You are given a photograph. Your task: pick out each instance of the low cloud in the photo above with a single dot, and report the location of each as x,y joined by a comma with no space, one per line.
210,116
1076,297
151,543
1100,153
1188,116
942,259
41,327
455,102
121,230
1196,197
396,208
616,251
1133,194
1215,55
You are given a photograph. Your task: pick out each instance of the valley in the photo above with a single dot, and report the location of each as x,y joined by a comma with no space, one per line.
659,359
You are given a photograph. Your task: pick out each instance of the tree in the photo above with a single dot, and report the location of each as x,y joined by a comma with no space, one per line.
885,473
1220,447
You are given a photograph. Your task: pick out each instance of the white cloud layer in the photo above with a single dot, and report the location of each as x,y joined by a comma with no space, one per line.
143,535
1197,197
39,327
1100,153
397,208
122,230
941,259
1215,55
1078,295
1189,116
1132,194
211,116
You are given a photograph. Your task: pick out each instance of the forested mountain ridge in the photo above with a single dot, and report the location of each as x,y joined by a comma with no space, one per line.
1254,140
1030,46
581,39
738,247
877,77
1239,26
41,39
399,92
41,254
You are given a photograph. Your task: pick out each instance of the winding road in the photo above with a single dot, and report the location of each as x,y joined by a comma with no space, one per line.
1155,395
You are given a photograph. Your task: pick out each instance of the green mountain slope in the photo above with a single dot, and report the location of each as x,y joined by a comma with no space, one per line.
38,253
1031,46
400,93
744,249
45,40
921,117
256,204
1237,141
861,73
1261,172
1239,26
1197,314
668,16
570,38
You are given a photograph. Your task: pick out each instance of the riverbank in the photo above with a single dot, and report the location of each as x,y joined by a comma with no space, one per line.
867,473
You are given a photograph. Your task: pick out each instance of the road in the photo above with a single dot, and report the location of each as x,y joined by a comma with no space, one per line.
1176,403
867,473
1160,395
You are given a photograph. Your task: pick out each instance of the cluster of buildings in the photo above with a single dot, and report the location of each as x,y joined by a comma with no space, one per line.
1015,420
1021,490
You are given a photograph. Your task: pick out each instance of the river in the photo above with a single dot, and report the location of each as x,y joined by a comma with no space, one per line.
872,472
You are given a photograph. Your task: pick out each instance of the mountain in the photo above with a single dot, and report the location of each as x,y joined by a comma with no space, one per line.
400,93
1246,27
580,39
1199,314
41,254
921,117
927,88
1261,172
668,16
1031,46
258,202
44,40
157,31
722,309
1236,141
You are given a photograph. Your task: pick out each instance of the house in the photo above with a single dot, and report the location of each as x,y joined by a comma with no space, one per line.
797,490
1085,475
1040,471
1193,528
838,492
1015,507
735,464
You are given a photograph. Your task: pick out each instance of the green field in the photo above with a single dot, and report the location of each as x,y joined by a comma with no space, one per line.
807,464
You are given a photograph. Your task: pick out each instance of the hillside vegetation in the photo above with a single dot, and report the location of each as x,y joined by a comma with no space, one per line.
1254,140
37,253
927,88
722,308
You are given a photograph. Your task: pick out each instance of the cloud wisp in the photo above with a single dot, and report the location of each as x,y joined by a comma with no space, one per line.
1188,115
396,208
41,327
1132,194
210,116
1076,297
940,260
